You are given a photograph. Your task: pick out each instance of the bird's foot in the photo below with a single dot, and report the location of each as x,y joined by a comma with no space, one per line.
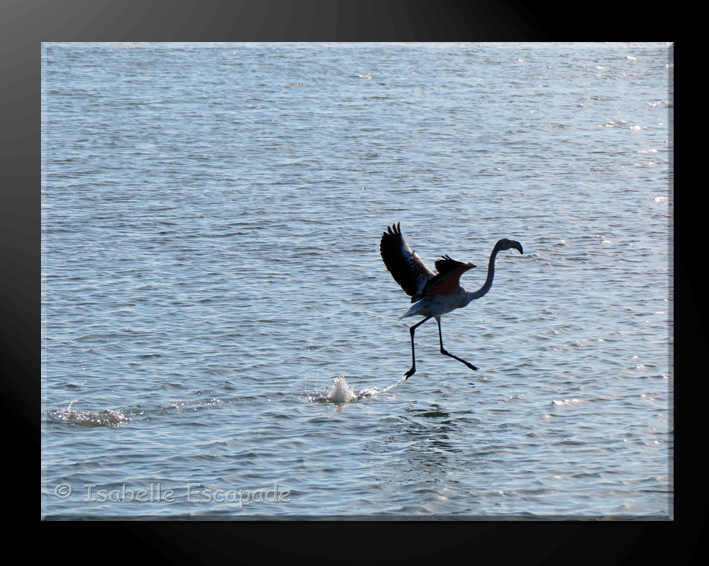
447,353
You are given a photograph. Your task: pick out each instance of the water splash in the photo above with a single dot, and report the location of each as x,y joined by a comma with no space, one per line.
341,392
375,391
106,417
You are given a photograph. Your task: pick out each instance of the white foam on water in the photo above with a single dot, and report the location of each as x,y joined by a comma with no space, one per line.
342,392
105,417
392,386
565,402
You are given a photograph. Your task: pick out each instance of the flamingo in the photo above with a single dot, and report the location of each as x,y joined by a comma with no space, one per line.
433,294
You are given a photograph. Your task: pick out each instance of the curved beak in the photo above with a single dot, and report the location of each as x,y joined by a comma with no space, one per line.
516,245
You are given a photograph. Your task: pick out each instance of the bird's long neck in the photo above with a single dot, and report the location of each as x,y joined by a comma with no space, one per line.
490,275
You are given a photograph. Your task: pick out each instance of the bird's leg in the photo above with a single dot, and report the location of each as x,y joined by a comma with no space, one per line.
443,350
412,371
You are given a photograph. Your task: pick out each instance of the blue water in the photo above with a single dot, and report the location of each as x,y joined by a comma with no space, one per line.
217,322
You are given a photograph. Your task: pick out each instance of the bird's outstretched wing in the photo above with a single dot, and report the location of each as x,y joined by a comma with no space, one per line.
447,280
404,264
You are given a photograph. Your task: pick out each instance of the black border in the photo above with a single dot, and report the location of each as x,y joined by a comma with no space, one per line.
26,23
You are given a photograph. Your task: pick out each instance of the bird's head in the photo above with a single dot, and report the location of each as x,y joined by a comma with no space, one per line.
505,244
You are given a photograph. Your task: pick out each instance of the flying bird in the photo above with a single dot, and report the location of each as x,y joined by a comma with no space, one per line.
433,294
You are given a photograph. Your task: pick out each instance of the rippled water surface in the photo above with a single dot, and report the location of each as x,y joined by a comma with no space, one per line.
220,332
